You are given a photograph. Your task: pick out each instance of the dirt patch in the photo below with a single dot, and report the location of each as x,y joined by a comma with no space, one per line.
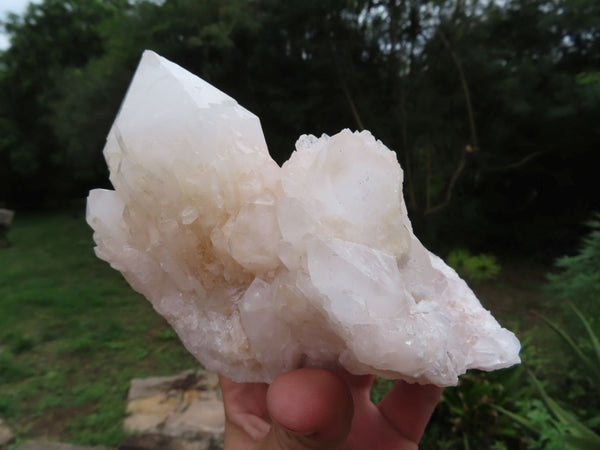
183,384
516,293
52,423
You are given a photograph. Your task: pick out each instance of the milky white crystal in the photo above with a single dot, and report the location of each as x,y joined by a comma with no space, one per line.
262,269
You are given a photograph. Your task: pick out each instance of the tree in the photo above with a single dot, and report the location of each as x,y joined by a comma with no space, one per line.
195,34
490,106
49,37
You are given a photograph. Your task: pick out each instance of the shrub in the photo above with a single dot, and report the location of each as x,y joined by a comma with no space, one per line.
473,267
467,418
575,425
579,276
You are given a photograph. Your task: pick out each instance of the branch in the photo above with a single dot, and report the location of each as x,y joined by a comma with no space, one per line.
412,199
359,122
428,180
515,165
455,176
465,88
474,144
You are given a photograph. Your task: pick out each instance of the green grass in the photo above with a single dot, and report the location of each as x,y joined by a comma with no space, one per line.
72,334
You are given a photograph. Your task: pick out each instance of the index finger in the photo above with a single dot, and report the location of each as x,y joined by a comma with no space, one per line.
408,407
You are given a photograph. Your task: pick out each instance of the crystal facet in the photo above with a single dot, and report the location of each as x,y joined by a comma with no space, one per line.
262,269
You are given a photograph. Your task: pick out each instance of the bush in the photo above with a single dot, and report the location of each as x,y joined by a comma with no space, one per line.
579,278
574,425
467,416
552,400
473,267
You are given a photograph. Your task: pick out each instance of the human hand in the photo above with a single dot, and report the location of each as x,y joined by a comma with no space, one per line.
319,409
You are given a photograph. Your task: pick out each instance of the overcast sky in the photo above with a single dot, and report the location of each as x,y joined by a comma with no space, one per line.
15,6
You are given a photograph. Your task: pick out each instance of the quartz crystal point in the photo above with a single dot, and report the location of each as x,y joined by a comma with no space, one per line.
262,269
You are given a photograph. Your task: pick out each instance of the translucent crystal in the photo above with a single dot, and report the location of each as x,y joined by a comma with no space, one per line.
262,269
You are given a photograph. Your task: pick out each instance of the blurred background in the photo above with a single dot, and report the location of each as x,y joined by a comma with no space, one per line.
491,106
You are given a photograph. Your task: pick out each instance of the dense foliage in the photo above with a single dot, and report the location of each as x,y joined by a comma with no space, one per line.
491,106
578,278
473,268
552,400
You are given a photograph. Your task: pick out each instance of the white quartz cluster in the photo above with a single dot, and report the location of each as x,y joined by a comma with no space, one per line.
262,269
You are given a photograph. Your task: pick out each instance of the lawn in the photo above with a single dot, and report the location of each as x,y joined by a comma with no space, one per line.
72,334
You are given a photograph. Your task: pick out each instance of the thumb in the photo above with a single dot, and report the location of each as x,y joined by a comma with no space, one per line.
309,409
